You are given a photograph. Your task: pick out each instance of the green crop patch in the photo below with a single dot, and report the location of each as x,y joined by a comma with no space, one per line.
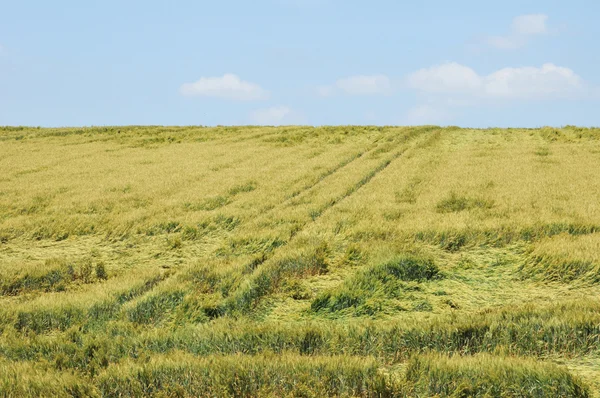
486,376
365,290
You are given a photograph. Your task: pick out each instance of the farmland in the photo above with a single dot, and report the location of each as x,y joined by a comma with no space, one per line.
299,261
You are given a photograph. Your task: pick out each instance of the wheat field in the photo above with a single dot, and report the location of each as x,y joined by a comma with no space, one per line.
350,261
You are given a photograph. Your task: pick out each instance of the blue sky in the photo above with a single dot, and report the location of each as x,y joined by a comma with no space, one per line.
467,63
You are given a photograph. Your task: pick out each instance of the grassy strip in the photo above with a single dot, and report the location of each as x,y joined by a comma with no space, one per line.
268,375
490,376
25,379
55,276
571,328
454,240
566,328
60,318
247,376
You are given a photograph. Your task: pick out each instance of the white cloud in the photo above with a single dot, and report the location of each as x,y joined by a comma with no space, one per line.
549,81
448,77
275,115
446,89
229,86
522,29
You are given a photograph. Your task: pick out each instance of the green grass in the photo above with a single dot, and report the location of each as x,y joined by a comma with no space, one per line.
486,376
247,376
565,258
456,203
299,261
55,275
366,292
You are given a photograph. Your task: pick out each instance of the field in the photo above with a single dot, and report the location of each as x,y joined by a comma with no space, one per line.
299,261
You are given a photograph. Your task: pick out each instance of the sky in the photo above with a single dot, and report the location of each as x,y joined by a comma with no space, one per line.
514,63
